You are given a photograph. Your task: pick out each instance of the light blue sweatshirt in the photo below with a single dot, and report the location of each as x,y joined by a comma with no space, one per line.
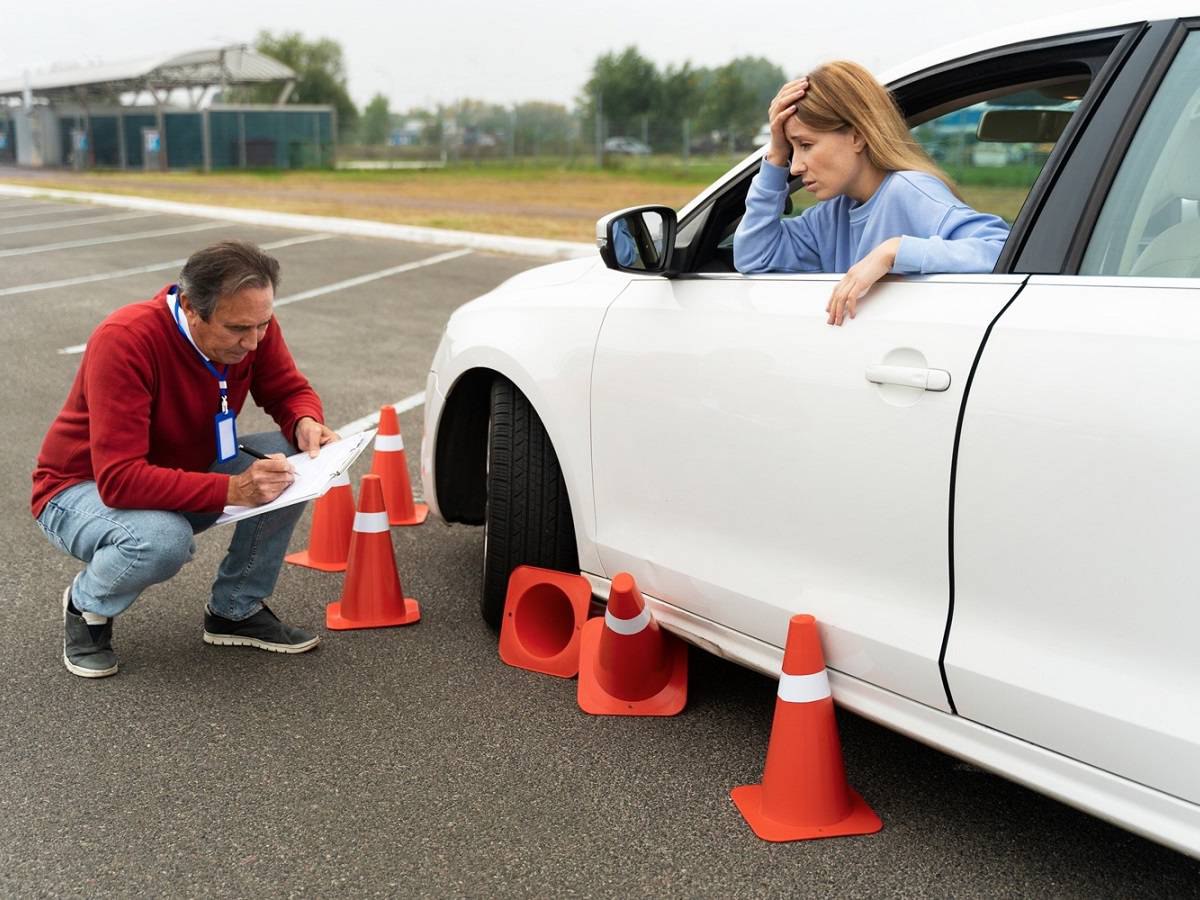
937,231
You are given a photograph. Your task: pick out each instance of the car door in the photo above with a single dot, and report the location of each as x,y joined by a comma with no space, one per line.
1077,495
751,461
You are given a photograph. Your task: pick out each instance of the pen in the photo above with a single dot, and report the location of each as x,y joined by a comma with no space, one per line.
253,453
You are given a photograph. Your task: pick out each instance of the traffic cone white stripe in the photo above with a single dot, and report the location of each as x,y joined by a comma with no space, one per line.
370,522
804,688
389,442
628,626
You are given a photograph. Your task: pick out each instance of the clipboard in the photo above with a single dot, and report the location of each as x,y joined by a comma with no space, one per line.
314,476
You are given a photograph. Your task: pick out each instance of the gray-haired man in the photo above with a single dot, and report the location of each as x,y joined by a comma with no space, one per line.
144,454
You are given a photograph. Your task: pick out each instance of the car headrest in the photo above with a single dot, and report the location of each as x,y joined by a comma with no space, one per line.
1183,173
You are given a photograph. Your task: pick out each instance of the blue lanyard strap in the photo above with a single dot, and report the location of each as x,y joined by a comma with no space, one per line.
222,377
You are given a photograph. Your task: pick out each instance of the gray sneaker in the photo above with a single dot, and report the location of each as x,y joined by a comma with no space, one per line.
262,630
86,655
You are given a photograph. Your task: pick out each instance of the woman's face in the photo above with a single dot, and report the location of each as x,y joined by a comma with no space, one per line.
831,163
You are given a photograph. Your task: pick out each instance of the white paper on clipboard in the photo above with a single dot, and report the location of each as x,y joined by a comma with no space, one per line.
313,476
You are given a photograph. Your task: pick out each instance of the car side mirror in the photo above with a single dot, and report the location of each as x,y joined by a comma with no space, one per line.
639,239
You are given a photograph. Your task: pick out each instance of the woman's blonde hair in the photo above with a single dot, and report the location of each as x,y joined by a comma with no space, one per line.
843,94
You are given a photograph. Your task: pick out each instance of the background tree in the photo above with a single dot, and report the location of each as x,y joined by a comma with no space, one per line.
541,128
736,101
376,121
320,76
629,86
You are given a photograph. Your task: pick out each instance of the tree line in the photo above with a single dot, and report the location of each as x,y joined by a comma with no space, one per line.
627,94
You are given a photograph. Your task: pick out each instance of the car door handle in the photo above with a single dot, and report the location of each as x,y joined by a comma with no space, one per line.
926,379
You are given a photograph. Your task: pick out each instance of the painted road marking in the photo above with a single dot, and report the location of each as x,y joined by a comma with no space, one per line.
401,406
327,289
373,276
141,270
42,226
45,211
112,239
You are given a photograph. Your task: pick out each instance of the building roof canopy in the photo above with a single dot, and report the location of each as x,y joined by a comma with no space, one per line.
196,68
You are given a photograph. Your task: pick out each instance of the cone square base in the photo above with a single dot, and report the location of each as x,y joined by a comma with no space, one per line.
594,699
420,512
862,819
303,559
544,615
337,622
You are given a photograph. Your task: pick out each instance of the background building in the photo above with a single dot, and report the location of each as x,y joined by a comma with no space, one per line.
162,113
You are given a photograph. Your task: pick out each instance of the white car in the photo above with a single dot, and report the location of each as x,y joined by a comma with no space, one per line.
985,487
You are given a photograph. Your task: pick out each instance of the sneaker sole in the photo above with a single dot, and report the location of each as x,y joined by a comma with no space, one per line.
229,640
88,673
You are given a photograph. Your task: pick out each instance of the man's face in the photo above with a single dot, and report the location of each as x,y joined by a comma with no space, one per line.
235,327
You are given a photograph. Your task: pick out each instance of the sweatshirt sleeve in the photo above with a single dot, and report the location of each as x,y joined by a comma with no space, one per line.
279,387
119,384
765,242
965,241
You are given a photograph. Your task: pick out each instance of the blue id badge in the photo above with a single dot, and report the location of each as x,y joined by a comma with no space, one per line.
227,448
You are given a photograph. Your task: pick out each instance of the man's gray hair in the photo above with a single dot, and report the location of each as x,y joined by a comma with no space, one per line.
223,269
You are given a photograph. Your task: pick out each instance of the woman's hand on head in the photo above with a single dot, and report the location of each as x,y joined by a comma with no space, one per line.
859,279
782,108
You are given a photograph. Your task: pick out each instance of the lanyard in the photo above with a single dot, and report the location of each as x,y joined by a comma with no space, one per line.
222,382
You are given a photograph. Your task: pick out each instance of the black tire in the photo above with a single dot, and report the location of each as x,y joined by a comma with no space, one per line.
528,519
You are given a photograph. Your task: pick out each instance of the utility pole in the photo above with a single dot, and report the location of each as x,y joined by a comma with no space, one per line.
600,130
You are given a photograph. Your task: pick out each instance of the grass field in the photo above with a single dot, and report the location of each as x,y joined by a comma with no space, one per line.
545,199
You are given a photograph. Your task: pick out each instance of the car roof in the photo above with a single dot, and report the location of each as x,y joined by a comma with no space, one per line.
1081,20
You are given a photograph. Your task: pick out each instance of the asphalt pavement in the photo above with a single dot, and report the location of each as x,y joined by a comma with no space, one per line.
409,762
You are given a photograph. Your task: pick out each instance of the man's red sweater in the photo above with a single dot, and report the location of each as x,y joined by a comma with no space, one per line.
139,418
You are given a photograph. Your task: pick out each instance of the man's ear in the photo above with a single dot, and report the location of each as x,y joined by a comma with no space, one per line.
186,305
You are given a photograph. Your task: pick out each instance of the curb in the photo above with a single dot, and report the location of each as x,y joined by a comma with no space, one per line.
519,246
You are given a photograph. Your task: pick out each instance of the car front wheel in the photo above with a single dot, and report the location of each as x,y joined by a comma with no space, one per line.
528,519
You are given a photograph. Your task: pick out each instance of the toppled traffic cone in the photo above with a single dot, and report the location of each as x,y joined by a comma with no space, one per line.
332,526
390,464
804,794
544,615
628,666
372,596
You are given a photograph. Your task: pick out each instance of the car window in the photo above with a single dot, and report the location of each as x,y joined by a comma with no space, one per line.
994,149
1150,223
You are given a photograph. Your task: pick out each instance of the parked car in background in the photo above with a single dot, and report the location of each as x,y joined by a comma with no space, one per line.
984,486
627,146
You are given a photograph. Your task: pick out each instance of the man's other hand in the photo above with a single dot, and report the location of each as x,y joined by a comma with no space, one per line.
265,480
311,435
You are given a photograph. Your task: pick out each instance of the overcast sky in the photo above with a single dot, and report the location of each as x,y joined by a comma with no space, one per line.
423,53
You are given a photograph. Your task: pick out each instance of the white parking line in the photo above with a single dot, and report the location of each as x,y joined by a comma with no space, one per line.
42,226
401,406
45,210
315,292
373,276
112,239
37,204
141,270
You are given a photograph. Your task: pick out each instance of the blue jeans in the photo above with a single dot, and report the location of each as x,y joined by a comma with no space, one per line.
127,550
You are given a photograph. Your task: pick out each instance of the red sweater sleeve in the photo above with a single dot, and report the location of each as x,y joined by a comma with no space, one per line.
120,383
279,387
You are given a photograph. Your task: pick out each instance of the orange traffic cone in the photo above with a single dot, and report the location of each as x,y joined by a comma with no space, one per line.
372,596
544,614
332,525
390,464
804,793
628,666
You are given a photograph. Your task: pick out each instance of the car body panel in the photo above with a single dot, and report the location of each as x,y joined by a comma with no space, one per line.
1078,457
724,412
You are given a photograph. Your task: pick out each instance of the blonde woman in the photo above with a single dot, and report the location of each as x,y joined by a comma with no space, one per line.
884,205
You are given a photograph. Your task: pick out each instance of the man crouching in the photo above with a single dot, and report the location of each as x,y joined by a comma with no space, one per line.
144,454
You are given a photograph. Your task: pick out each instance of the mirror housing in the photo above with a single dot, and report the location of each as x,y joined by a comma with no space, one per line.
1023,126
640,239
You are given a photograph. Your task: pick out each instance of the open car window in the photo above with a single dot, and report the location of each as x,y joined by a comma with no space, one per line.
991,123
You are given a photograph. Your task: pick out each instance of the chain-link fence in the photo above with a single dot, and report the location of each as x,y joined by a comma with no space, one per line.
564,137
